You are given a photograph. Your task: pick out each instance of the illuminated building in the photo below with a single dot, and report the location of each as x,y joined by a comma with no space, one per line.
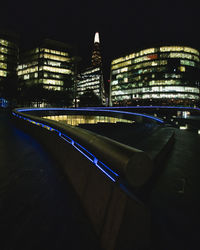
8,55
92,77
50,64
163,75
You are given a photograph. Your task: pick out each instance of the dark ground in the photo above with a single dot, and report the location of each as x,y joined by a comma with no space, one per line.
38,208
175,198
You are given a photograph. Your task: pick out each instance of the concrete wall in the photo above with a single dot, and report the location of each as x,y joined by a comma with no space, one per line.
119,221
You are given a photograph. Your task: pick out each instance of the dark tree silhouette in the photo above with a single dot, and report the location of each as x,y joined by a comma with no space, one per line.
89,99
9,89
32,93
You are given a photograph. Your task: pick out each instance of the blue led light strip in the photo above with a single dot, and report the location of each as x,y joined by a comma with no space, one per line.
148,107
132,113
100,165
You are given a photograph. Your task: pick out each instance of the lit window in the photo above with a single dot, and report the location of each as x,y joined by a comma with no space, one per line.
182,68
188,63
120,65
56,70
124,69
3,73
26,77
51,51
3,65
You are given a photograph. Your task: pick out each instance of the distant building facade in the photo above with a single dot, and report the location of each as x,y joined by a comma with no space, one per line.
167,75
9,54
92,77
50,64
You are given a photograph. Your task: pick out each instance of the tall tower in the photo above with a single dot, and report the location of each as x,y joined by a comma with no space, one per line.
92,78
96,56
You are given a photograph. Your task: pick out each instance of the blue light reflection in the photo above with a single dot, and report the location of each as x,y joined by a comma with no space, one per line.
100,165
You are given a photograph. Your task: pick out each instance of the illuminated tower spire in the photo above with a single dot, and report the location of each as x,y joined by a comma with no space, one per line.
96,56
96,38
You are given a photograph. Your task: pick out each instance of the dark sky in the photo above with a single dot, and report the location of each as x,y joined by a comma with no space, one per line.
124,26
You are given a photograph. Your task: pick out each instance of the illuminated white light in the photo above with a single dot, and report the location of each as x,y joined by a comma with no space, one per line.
96,38
185,114
198,132
183,127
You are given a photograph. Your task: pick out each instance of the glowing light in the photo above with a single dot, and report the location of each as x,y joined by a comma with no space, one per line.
183,127
96,38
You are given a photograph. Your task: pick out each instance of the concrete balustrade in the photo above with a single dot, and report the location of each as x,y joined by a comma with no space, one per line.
120,221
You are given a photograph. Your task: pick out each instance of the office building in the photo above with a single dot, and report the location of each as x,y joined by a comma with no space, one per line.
8,55
167,75
90,79
49,64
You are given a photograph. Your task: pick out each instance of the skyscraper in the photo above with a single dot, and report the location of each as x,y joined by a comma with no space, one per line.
96,55
92,77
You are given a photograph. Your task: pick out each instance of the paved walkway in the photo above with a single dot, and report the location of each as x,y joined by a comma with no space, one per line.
175,200
38,208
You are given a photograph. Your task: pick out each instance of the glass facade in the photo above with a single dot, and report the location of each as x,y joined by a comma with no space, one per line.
49,65
91,79
167,74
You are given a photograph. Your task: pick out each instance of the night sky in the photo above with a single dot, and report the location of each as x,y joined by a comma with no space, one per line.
124,26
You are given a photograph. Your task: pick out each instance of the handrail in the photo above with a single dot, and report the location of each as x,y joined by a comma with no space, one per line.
118,161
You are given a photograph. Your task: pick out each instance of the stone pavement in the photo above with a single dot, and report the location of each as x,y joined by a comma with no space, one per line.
175,199
38,208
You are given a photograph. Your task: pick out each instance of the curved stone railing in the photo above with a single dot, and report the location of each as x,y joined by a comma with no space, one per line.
101,171
133,116
116,160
